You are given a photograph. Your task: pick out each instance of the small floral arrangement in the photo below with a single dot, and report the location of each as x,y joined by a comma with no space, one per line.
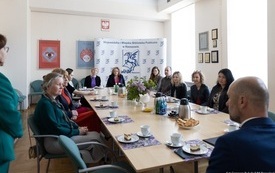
138,86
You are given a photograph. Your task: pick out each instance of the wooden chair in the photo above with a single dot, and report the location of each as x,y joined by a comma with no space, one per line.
36,88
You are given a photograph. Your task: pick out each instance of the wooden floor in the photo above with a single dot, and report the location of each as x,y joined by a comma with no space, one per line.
23,164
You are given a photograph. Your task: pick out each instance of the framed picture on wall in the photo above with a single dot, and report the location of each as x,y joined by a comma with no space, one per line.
214,34
207,58
49,54
214,56
200,57
203,41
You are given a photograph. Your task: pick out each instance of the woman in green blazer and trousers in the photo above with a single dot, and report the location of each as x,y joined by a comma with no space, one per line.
10,117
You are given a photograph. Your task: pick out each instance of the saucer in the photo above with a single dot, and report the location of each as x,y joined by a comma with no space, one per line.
170,144
203,113
112,120
203,150
134,138
141,135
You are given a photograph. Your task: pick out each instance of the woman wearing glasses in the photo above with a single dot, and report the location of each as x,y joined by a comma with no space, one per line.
10,117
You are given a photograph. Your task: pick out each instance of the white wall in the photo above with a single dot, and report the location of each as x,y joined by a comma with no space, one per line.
70,28
208,17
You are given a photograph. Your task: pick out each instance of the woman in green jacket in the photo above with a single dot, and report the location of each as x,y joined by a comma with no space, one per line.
10,117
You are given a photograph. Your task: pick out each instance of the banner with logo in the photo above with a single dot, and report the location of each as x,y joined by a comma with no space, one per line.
134,57
85,54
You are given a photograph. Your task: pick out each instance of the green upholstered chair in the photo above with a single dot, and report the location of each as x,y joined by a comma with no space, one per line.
271,115
73,153
21,98
36,88
76,83
82,81
39,145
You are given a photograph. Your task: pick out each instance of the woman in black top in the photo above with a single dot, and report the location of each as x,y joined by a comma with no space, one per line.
199,91
178,89
218,96
115,78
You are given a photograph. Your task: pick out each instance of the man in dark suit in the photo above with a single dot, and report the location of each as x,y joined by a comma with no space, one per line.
92,80
252,147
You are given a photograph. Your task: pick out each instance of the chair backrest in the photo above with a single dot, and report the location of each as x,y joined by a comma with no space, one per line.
82,81
21,97
72,151
35,131
271,115
36,85
75,82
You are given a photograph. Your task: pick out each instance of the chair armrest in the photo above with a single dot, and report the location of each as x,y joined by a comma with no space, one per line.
103,167
45,136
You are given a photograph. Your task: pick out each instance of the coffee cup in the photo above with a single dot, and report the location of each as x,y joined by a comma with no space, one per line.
233,127
113,103
113,113
103,97
203,109
145,130
176,138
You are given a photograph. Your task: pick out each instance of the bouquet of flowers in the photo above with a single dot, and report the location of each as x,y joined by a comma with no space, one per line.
138,86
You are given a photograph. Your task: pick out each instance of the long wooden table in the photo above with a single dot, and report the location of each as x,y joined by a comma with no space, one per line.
157,156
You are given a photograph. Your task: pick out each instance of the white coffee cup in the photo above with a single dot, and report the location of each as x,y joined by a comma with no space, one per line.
176,138
203,109
103,97
113,113
145,130
84,88
233,127
113,103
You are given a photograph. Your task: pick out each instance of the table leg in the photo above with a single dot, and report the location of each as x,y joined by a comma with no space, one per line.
196,167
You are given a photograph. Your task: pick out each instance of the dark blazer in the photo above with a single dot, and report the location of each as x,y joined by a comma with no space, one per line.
222,101
200,96
67,107
88,80
181,91
111,80
250,149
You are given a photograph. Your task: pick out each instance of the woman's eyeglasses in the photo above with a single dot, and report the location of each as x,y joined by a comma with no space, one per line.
6,49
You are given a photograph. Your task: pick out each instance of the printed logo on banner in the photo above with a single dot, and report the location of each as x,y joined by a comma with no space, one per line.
161,61
148,70
144,61
161,43
102,52
97,61
130,61
107,61
116,61
112,52
148,52
153,61
102,70
157,52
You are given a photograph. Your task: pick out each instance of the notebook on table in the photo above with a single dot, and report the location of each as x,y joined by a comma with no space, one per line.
211,141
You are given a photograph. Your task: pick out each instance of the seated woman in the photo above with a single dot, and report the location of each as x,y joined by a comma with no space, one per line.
155,75
52,120
83,116
178,89
115,78
92,80
218,96
199,91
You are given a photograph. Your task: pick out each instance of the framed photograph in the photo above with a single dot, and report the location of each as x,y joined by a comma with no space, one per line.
214,34
200,57
203,41
85,54
214,43
207,58
215,56
49,54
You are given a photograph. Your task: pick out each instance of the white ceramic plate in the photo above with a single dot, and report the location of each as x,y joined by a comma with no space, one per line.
203,149
141,135
134,138
112,120
170,144
204,113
